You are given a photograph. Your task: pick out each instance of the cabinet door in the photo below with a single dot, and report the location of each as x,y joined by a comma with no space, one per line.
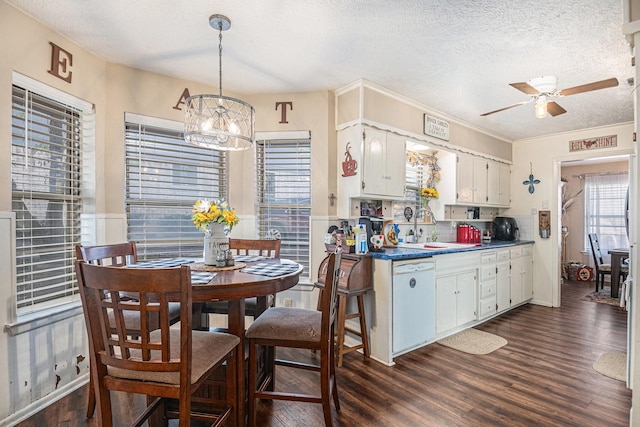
493,183
396,161
464,179
503,285
375,153
446,293
505,184
480,184
527,277
466,297
517,295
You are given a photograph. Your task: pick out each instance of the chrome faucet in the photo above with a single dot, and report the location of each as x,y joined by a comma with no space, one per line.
415,219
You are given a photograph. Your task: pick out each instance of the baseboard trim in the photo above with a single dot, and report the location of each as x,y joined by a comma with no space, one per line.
40,404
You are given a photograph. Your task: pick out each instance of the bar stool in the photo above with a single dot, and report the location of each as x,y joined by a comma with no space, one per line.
354,281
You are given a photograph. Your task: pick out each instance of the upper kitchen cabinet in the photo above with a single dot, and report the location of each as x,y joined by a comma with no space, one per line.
481,181
471,180
499,183
372,166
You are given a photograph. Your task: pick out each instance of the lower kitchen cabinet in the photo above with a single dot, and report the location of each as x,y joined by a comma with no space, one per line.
455,300
487,304
521,274
503,280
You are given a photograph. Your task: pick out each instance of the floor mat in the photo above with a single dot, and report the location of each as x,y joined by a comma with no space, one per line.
474,341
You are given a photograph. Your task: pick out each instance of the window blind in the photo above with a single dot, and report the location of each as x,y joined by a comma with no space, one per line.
46,179
605,209
164,177
284,195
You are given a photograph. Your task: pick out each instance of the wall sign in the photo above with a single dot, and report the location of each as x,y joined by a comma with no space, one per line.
61,62
434,126
283,113
593,143
182,99
349,165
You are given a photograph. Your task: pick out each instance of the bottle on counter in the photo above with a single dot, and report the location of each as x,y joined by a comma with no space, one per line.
362,246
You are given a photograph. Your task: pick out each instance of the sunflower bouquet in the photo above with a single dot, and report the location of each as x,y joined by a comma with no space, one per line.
429,193
207,212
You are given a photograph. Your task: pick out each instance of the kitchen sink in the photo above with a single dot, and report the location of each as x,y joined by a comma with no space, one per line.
434,246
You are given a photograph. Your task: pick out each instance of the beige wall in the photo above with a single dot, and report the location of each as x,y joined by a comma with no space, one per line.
545,155
574,217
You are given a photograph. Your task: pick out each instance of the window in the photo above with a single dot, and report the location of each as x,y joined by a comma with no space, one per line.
284,194
164,177
605,209
48,130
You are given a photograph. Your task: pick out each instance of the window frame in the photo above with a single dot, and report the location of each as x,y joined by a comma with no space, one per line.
602,221
62,127
299,249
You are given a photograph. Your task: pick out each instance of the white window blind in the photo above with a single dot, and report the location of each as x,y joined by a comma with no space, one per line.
164,177
47,138
284,195
605,210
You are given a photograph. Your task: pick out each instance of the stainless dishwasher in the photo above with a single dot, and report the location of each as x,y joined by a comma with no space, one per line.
414,304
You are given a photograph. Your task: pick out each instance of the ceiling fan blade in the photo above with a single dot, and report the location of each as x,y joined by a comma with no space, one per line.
554,109
602,84
506,108
525,87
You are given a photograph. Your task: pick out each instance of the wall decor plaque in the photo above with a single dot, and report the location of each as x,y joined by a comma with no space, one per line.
594,143
434,126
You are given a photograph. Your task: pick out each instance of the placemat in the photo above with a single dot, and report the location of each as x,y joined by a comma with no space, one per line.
197,277
248,258
201,266
162,263
271,269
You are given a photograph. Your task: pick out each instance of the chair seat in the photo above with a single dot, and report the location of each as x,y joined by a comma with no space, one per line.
607,268
285,323
208,348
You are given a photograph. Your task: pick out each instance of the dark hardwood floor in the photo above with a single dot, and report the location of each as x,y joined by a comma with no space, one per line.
542,377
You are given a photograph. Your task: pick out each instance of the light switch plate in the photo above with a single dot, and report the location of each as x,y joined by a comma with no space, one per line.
534,211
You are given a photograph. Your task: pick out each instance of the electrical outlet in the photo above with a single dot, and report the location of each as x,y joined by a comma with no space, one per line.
288,302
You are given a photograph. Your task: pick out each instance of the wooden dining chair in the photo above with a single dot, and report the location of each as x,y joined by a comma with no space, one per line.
253,306
298,328
118,255
603,268
166,363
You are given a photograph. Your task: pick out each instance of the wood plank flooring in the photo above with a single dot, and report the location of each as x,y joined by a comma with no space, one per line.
542,377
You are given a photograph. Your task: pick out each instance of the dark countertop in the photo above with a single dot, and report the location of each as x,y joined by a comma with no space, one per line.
394,254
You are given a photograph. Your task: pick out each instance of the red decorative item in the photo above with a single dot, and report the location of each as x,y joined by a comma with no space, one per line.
349,165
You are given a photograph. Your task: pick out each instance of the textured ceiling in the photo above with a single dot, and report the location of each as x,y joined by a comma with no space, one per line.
456,57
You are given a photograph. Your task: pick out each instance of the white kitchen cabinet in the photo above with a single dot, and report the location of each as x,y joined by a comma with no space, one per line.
471,179
384,164
372,167
455,300
487,286
503,280
498,183
521,274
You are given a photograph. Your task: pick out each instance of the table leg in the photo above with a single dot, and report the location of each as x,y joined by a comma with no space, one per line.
615,275
237,327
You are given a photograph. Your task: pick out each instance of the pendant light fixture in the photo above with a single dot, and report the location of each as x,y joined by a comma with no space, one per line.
215,121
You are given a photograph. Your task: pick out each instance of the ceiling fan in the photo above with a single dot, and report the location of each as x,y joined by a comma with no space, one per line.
543,88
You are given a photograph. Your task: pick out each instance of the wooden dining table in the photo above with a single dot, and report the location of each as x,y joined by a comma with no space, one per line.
617,255
234,285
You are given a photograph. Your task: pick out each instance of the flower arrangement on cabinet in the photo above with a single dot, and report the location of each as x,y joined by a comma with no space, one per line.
207,212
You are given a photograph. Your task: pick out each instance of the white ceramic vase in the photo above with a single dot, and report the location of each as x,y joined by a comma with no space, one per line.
215,236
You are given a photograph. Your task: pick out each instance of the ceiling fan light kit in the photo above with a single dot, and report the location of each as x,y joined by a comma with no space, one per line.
541,89
215,121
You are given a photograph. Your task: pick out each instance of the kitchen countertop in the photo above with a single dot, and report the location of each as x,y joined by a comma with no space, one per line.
394,254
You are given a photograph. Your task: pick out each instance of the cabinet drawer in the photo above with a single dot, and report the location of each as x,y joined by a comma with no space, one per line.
487,307
502,256
487,290
489,258
516,252
527,250
488,273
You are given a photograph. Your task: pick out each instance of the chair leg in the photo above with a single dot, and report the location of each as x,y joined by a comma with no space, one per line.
251,408
91,401
332,370
363,327
326,364
341,318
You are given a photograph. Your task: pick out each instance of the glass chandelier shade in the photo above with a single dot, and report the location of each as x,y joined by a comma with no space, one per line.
219,122
215,121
